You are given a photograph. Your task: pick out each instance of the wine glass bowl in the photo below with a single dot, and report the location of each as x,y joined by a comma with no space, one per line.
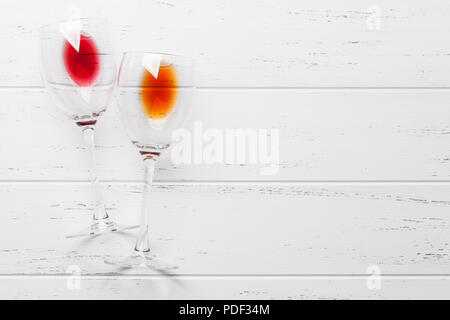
154,96
78,67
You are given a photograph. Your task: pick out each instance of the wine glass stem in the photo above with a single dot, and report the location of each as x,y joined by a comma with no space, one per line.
99,207
142,243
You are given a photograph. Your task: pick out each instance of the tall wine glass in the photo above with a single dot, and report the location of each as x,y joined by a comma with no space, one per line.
79,73
154,96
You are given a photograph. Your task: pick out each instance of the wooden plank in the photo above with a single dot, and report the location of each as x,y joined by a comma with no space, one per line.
234,229
257,43
156,287
337,135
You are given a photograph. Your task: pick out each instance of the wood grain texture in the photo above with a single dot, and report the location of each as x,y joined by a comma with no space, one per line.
257,43
194,287
359,93
210,229
336,135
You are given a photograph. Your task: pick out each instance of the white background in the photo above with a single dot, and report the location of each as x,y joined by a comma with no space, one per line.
359,92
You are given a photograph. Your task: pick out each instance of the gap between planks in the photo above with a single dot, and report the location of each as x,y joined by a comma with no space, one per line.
238,182
228,276
273,88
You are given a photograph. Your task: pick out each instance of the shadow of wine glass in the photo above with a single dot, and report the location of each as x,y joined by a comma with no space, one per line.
140,282
86,241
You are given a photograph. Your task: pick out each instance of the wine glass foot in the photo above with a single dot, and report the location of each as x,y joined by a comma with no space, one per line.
101,226
140,259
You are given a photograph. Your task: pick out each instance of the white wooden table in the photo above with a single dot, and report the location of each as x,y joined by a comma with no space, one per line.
360,94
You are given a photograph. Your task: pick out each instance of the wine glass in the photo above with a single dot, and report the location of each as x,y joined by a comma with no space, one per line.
79,72
154,97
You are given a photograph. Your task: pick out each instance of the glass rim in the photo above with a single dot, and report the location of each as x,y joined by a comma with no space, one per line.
56,23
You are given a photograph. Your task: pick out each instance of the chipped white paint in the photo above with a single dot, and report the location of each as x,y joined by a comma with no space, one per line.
211,229
230,287
303,233
257,43
325,135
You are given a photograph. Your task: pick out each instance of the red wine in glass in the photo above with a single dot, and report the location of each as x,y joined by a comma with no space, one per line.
82,65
